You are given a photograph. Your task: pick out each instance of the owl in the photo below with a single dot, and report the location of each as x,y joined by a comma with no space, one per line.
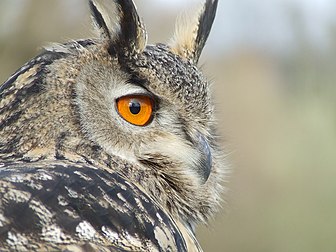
110,143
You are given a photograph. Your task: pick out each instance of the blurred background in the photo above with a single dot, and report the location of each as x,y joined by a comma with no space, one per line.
273,64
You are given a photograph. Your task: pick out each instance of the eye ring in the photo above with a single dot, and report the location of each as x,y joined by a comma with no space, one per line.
135,109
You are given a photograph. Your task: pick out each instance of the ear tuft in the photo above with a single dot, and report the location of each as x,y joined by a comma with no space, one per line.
191,34
119,24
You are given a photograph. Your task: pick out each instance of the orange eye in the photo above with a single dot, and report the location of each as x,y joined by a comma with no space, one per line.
135,109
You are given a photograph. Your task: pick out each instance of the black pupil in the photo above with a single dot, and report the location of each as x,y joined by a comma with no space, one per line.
134,107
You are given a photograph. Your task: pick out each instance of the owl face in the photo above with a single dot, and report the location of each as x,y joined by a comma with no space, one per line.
150,106
161,106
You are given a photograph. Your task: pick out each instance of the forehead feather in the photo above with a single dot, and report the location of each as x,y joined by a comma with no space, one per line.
166,72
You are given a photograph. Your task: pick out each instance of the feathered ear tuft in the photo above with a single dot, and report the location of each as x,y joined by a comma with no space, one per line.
119,24
192,33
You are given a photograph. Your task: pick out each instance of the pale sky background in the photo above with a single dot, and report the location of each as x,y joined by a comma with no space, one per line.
273,25
269,23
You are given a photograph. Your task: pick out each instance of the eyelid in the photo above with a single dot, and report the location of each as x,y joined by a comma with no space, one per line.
129,89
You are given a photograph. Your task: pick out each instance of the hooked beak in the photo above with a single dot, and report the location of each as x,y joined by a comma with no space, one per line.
205,162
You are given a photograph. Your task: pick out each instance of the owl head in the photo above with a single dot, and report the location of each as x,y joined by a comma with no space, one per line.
143,111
